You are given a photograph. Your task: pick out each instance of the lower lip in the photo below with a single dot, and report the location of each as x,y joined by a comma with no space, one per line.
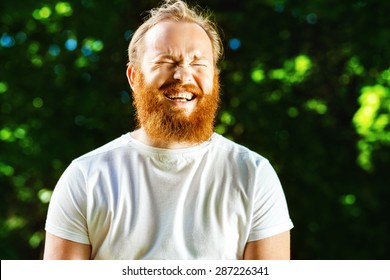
180,104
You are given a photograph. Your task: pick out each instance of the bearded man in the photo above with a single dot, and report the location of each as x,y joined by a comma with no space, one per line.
172,188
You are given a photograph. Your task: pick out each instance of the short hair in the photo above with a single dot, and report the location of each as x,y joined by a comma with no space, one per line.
178,11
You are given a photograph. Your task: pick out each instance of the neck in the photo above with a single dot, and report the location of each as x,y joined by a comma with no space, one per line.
141,135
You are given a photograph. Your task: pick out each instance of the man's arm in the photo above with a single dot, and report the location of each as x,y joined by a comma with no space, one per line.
272,248
57,248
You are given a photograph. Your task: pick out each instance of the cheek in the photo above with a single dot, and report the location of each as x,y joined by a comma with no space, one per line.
155,80
155,77
206,83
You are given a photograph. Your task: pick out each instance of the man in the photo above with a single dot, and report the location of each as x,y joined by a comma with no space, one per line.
171,189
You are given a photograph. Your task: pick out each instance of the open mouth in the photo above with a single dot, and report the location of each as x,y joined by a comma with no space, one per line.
181,96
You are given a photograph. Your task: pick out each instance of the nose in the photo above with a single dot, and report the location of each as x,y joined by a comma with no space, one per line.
183,74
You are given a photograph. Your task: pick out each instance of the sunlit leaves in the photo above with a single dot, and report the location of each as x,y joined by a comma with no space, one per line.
6,135
91,45
48,59
6,169
348,199
317,106
292,112
20,132
50,16
354,66
42,13
37,102
14,222
64,8
20,136
3,87
226,120
258,75
36,239
372,121
384,77
33,52
302,64
371,99
294,71
89,52
364,158
350,205
61,9
44,195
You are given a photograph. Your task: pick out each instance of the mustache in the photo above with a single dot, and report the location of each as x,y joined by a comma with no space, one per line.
177,87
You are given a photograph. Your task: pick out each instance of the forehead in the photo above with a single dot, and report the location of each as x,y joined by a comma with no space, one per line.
178,39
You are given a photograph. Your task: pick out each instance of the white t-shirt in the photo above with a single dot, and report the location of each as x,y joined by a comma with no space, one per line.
132,201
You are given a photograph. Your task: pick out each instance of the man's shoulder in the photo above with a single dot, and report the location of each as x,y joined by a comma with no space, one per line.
105,150
236,150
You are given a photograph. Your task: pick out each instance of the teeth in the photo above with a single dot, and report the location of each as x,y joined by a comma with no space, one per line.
181,95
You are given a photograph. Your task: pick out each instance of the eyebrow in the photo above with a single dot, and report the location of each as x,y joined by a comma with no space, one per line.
200,57
172,57
165,56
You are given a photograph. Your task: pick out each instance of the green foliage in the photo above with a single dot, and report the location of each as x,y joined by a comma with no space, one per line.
372,121
305,83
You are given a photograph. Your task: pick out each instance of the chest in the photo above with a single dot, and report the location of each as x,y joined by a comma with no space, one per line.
151,213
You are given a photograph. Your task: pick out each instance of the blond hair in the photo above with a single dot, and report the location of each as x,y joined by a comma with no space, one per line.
178,11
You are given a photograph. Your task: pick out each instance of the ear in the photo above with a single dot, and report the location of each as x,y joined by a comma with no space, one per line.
130,73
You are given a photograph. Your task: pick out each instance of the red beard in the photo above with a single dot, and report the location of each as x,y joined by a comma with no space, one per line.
165,123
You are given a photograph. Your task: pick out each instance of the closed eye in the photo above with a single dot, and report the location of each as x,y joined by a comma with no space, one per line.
199,64
166,62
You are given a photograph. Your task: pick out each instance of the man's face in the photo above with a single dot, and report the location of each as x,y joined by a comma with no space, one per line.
177,52
176,89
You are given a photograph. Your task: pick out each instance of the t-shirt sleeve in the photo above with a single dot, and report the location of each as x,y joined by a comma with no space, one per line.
66,216
270,214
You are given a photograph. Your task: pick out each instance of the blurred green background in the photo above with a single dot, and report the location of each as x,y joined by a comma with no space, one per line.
305,83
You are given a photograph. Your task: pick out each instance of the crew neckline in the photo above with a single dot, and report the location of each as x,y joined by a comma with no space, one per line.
165,151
